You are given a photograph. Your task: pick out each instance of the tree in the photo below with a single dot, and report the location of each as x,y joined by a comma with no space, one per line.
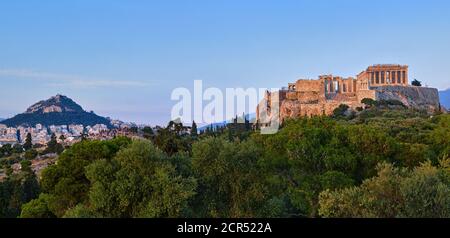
309,155
416,82
17,148
172,139
38,208
84,136
17,189
134,129
340,111
81,211
395,192
53,146
30,154
369,102
229,178
194,131
148,132
26,166
66,182
28,142
139,182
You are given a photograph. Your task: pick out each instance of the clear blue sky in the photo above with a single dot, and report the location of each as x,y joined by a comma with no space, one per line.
123,58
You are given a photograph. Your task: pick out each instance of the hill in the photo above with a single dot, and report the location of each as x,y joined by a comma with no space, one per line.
58,110
251,117
444,97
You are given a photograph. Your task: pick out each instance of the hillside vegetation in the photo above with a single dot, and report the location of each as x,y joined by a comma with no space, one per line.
384,161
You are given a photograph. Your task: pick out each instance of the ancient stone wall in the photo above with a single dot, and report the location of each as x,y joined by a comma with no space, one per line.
308,97
361,94
308,85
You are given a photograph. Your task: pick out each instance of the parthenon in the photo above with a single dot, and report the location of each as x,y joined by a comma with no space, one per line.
321,96
384,74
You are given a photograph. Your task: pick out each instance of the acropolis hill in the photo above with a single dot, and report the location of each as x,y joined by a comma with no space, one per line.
378,82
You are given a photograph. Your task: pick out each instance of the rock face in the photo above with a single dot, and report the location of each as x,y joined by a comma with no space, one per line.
413,97
296,105
58,103
58,110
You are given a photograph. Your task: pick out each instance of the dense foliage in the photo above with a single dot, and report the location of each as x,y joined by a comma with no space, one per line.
18,189
384,161
395,192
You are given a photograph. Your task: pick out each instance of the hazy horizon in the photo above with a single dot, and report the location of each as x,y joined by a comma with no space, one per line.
123,59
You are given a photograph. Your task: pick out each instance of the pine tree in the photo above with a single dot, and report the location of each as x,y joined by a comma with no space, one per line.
28,142
51,145
247,123
194,131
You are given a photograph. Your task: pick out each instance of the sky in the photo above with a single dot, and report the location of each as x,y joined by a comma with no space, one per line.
122,59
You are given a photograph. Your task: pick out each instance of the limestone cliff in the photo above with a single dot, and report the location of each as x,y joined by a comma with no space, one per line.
411,96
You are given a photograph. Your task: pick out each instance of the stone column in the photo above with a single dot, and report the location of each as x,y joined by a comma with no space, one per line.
403,78
372,77
406,78
377,77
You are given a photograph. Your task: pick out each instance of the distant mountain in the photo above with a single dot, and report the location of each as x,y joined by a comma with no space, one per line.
58,110
444,97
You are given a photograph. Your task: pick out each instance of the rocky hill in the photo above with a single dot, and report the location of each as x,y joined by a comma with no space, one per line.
444,96
413,97
58,110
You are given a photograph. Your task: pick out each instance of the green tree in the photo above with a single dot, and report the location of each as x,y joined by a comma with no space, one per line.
53,146
369,102
28,142
394,192
194,131
340,111
17,189
38,208
229,178
81,211
30,154
148,132
139,182
416,83
66,182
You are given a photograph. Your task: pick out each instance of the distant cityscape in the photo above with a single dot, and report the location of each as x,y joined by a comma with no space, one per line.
67,121
66,134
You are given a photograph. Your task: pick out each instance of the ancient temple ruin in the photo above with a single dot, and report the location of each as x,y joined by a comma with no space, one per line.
321,96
